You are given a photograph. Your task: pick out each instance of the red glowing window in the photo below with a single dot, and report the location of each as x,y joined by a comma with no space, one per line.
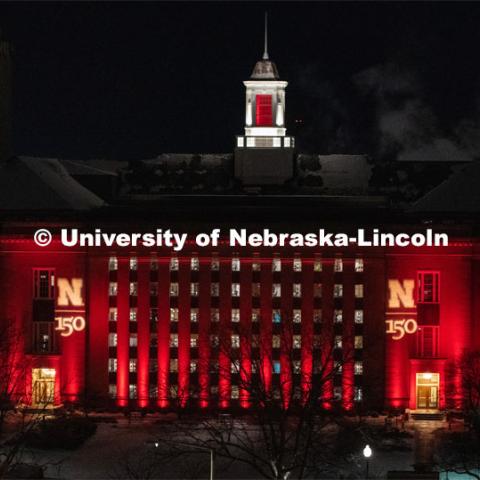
428,285
427,342
264,110
43,283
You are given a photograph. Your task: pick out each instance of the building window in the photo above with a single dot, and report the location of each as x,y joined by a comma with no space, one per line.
276,290
337,341
427,341
338,367
337,393
276,316
112,314
359,264
297,367
358,394
256,265
338,265
297,316
317,316
317,290
358,316
173,391
276,341
235,341
255,289
338,316
235,366
194,340
235,392
215,265
153,365
174,340
235,264
133,314
215,315
173,264
214,289
153,315
235,289
133,263
214,341
358,367
112,339
276,367
428,285
297,264
112,289
153,289
153,264
133,289
112,365
153,340
174,365
193,366
297,290
153,391
194,289
255,315
174,314
132,365
276,265
194,264
133,341
235,315
317,264
132,391
338,290
297,341
112,390
174,289
358,342
112,263
263,110
359,290
194,315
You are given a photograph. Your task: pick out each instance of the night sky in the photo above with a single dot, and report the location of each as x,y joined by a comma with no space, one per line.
132,80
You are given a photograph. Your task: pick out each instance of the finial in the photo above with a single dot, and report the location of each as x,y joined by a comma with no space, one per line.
265,49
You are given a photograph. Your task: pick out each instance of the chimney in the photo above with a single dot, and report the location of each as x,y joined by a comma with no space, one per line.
5,101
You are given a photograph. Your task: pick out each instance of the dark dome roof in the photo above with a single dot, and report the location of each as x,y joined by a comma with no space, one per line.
265,70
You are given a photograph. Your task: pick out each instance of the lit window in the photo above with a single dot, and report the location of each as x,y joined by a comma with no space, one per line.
133,341
194,289
215,315
297,265
112,339
255,315
428,287
215,266
174,314
358,394
255,289
235,366
297,316
133,289
153,264
317,316
358,341
112,390
359,264
214,341
153,315
174,289
276,367
132,365
112,289
193,366
194,315
359,290
338,316
235,264
337,393
153,391
297,341
153,289
194,340
297,290
214,289
194,264
235,315
317,290
358,368
235,341
132,391
235,289
173,390
297,367
173,264
358,316
255,341
44,283
113,314
338,290
276,341
276,290
235,392
338,265
133,263
214,390
112,263
133,314
317,264
256,266
174,340
337,367
112,365
337,342
174,365
276,316
276,265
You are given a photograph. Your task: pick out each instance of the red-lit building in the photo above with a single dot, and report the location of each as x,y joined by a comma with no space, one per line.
141,327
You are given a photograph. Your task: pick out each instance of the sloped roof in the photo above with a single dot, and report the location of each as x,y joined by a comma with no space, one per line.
28,183
459,193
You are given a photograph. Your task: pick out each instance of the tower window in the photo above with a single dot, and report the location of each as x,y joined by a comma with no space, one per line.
263,110
428,286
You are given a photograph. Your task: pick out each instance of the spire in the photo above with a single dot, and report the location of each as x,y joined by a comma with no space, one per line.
265,49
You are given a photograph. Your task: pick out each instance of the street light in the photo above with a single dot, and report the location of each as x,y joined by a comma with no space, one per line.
367,453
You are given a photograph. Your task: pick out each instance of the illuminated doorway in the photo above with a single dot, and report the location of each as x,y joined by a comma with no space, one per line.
43,387
427,390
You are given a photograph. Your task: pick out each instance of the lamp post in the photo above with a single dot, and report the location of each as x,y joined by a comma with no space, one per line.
367,453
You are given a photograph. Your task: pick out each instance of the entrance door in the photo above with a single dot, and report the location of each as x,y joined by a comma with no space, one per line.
43,387
427,391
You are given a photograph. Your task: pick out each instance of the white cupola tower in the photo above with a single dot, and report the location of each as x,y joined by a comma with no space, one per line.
265,106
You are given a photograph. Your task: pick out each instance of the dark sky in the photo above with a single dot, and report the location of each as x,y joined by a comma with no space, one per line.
133,80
